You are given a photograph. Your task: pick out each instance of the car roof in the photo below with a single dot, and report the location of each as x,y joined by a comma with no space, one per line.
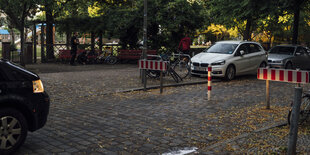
236,41
289,45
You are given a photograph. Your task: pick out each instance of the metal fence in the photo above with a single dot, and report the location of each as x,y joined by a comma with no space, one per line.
39,54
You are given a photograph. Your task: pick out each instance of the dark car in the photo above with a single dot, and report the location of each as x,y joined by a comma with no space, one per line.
289,57
24,105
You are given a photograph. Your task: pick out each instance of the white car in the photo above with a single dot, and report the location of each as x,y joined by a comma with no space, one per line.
229,59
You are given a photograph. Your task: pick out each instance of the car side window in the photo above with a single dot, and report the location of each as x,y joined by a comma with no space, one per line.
243,47
299,51
304,52
254,48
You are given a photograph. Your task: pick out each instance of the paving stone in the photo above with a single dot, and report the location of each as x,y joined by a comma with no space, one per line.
138,122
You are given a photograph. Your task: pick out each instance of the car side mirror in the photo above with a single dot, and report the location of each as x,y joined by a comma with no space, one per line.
242,52
298,54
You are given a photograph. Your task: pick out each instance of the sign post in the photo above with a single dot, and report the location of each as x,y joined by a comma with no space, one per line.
292,139
161,82
267,95
144,51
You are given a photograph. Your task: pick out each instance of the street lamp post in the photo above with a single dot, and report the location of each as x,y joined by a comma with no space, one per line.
144,51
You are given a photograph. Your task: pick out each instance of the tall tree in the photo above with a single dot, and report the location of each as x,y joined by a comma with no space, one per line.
294,6
17,12
48,8
232,12
167,22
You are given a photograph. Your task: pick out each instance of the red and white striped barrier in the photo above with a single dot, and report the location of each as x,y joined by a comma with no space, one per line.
153,65
209,81
292,76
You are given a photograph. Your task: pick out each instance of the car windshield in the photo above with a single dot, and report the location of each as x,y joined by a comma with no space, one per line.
222,48
283,50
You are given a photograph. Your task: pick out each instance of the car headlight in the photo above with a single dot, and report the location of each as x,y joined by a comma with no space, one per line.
37,86
221,62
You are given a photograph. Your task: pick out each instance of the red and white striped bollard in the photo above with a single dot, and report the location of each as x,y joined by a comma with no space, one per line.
209,82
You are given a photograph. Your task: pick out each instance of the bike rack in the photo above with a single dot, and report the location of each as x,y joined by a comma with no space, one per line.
189,58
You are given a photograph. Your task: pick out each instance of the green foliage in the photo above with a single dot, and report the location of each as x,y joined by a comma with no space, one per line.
17,11
168,21
233,12
2,21
178,18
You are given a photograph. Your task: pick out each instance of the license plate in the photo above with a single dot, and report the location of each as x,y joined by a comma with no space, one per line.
200,68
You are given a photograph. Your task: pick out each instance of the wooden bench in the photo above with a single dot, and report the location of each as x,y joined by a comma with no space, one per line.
65,55
133,54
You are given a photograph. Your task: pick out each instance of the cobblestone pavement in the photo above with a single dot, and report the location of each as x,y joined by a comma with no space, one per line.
88,117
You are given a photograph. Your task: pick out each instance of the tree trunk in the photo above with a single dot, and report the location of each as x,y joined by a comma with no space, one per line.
247,33
269,41
22,45
296,21
68,41
92,41
100,41
42,44
12,35
49,34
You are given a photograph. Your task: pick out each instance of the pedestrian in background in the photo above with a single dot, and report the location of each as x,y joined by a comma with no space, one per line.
74,43
184,45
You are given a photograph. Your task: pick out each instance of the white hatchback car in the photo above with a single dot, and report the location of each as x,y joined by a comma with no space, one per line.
229,59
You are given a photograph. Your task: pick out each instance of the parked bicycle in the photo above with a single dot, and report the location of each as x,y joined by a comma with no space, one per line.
106,57
182,64
304,109
87,57
178,66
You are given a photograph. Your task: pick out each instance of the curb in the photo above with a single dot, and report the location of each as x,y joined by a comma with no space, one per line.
152,87
245,135
168,85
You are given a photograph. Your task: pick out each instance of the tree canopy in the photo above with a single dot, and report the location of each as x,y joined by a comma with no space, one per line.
169,20
17,12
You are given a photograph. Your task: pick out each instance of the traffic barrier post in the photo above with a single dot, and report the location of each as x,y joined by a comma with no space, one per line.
281,75
154,65
209,81
291,76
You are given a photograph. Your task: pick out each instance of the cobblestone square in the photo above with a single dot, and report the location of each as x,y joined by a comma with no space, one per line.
93,113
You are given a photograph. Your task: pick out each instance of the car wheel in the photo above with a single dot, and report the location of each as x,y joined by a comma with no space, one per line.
289,65
263,65
230,73
13,130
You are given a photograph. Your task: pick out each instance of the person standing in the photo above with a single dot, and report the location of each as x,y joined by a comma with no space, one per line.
74,43
184,45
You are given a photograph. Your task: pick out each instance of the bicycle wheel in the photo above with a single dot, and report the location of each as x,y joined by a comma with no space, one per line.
182,68
111,60
304,111
153,73
174,75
